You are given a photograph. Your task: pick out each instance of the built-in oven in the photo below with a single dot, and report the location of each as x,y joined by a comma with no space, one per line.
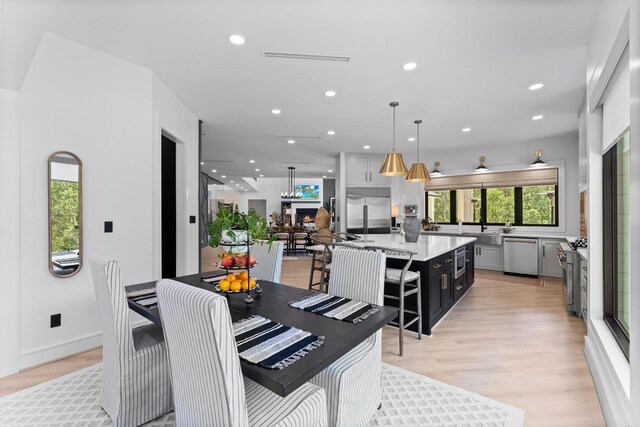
460,262
568,259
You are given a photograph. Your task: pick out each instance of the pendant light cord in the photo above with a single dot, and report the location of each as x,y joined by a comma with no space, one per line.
394,128
418,143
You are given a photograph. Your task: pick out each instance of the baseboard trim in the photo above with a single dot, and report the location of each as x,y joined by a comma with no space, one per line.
611,394
51,353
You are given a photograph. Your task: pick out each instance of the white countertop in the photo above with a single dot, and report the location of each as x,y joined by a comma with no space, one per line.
427,247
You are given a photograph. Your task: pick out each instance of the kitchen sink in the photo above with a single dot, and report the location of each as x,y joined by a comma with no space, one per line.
486,238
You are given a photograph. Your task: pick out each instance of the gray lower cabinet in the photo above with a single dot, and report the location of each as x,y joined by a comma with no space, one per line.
440,289
584,288
549,265
488,257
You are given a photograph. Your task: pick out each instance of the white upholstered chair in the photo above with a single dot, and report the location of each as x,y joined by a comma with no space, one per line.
354,382
136,385
209,389
268,261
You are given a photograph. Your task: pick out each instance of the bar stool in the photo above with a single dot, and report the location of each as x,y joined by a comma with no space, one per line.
408,284
321,260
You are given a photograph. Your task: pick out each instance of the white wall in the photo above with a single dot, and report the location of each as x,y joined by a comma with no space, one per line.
109,112
559,151
10,233
634,57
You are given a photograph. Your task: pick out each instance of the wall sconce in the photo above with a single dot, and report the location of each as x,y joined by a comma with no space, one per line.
481,167
538,162
435,171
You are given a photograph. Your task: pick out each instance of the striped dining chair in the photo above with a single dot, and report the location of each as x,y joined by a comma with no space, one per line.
136,385
354,382
268,261
208,386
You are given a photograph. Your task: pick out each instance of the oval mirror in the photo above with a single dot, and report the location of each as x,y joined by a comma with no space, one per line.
65,214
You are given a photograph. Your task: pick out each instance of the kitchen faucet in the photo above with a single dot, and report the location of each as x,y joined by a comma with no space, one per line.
483,223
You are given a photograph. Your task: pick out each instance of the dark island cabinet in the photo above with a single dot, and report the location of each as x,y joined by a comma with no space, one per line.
440,289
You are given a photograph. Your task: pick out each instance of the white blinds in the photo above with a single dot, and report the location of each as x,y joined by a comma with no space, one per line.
545,176
616,113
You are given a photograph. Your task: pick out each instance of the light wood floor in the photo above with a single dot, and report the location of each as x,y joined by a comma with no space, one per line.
509,339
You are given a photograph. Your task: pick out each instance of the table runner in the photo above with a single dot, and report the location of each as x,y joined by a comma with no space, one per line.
272,345
336,307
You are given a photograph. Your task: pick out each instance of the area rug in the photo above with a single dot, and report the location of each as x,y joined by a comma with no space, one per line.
408,399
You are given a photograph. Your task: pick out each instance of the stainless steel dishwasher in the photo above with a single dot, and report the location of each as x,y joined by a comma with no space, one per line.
520,256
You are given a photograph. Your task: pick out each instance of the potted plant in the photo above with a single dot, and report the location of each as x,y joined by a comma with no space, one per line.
233,228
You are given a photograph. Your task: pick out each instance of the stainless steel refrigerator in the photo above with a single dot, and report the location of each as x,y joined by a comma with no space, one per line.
368,210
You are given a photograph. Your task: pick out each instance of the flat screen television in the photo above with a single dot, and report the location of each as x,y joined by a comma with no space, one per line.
308,192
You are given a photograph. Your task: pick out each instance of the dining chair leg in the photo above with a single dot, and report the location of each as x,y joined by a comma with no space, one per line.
313,266
419,296
401,316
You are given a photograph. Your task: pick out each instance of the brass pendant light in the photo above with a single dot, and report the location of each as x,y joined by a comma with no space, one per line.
418,171
393,164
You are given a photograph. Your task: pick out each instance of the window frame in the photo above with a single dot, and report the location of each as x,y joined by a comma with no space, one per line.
610,247
518,205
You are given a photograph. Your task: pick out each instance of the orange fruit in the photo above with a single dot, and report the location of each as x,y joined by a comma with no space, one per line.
224,285
243,275
231,277
245,285
236,286
252,283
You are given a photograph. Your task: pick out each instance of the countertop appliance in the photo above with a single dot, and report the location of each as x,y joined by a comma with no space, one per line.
569,260
460,262
369,210
520,256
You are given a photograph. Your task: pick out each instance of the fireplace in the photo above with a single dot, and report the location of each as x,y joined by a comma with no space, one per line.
306,215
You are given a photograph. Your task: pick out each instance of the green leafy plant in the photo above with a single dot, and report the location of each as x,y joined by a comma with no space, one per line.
229,219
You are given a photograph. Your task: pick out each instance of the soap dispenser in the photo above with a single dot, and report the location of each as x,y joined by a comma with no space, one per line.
459,226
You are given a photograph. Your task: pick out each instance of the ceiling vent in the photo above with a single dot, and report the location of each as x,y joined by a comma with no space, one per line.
306,56
297,137
295,163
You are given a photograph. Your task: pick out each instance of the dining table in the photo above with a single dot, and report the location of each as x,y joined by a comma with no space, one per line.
273,303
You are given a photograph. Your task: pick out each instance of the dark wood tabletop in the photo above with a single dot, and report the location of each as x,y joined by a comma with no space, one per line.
340,336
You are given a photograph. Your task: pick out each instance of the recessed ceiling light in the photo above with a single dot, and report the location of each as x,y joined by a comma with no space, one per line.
237,185
331,132
366,147
324,176
232,182
213,170
223,176
330,93
411,139
291,141
202,163
538,117
536,86
252,161
275,111
261,175
466,130
236,39
409,66
257,170
330,170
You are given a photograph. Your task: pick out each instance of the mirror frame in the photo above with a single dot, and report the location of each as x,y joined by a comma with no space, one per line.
51,157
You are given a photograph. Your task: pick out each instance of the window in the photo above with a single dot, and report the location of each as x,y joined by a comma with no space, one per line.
439,206
521,206
468,205
615,180
539,205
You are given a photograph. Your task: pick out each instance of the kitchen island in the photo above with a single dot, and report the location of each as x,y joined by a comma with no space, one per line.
446,268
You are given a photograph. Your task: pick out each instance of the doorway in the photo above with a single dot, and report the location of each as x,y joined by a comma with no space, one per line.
168,207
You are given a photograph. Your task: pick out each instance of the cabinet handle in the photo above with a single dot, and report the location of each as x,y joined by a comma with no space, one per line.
458,287
467,260
370,179
445,281
437,266
365,177
543,248
447,260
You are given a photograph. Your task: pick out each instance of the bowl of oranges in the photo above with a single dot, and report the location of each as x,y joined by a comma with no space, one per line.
235,283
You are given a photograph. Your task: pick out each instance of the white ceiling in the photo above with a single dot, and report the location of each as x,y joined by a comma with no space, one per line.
476,59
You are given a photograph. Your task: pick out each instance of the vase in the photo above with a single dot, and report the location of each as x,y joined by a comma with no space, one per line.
232,244
411,226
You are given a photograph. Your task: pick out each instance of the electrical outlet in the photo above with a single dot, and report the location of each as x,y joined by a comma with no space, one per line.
108,226
56,320
192,219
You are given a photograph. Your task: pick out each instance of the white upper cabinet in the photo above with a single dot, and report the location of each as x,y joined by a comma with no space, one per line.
362,171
